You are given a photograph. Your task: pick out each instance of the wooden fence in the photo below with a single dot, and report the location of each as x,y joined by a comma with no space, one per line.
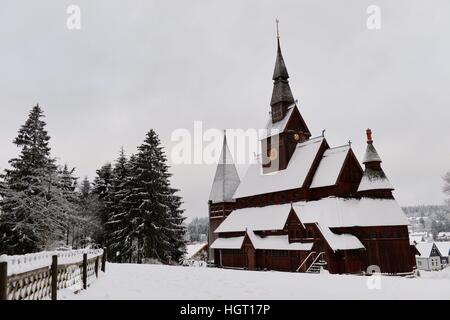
75,270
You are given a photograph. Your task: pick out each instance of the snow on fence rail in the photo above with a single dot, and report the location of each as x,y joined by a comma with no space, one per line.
40,275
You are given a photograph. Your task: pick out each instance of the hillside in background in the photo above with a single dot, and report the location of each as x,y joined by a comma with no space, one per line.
430,218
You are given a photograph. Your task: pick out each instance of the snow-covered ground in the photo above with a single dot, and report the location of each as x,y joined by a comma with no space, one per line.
132,281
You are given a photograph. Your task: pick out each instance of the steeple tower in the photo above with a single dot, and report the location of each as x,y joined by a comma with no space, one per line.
282,96
374,182
226,179
221,202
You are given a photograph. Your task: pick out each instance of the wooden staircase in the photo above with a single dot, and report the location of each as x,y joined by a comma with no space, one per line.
316,266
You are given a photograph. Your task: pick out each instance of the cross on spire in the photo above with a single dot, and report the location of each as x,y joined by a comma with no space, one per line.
278,31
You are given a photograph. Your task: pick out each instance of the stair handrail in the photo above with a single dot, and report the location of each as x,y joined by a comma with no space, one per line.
318,256
304,261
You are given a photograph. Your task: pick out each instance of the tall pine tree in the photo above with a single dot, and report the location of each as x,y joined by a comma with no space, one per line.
102,189
156,216
68,186
118,227
34,213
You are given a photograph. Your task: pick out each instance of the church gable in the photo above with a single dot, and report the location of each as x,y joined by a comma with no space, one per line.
296,125
256,182
330,167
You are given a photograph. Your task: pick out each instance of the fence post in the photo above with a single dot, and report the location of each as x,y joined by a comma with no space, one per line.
54,271
104,260
3,280
84,271
96,267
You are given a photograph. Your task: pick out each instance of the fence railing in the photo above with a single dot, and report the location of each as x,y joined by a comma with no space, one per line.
40,275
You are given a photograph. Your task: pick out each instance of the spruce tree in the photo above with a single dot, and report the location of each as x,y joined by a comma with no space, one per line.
101,188
89,229
33,210
68,186
117,227
156,216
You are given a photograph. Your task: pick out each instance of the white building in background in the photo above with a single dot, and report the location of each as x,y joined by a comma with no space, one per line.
196,254
444,250
443,236
430,257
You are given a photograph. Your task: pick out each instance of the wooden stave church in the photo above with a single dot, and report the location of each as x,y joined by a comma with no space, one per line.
333,215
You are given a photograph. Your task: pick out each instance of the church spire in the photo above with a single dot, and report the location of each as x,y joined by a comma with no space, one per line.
226,179
374,182
282,96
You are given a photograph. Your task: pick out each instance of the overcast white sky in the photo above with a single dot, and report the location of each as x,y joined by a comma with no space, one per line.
136,65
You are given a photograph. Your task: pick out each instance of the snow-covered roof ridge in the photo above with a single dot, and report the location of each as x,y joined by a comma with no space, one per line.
339,241
228,243
336,212
425,248
371,154
330,166
374,180
374,177
443,247
193,249
255,182
256,219
226,179
280,242
329,212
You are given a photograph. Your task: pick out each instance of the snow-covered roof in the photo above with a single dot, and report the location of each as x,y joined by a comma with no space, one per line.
193,249
371,154
340,241
330,166
255,182
328,212
228,243
277,243
425,249
339,212
256,219
226,179
278,127
443,247
374,182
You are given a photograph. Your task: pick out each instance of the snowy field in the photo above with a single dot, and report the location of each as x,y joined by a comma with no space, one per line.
132,281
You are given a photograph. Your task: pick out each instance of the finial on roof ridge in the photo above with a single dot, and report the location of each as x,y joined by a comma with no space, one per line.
278,31
369,136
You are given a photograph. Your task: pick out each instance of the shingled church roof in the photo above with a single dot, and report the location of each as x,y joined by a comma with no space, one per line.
226,179
281,89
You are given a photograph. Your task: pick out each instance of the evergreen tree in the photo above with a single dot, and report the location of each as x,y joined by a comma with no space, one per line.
101,188
34,213
102,182
89,228
156,216
68,186
118,225
178,230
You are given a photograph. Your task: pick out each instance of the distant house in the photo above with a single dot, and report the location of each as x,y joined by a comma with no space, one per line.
443,236
430,257
444,249
196,254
